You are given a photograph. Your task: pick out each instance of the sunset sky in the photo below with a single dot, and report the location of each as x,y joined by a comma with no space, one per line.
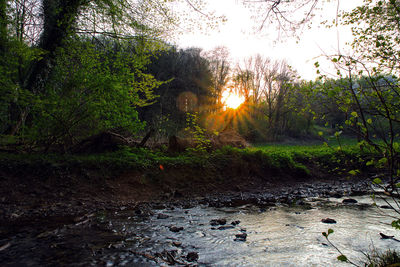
238,34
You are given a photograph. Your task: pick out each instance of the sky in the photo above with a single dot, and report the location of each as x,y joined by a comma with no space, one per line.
239,36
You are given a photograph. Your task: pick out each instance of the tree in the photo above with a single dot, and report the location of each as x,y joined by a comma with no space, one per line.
284,14
189,89
220,69
34,40
370,92
377,43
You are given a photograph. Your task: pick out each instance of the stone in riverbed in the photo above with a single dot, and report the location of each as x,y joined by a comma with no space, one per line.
328,220
349,201
177,244
240,237
216,222
192,256
162,216
235,223
225,227
175,229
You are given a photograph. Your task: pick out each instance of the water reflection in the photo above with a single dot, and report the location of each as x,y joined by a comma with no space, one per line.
279,236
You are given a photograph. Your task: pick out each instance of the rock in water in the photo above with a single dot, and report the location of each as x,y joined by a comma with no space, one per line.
226,227
383,236
192,256
175,229
328,220
216,222
241,237
162,216
349,201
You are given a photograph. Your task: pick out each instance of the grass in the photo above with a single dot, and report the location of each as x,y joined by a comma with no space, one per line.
383,259
266,159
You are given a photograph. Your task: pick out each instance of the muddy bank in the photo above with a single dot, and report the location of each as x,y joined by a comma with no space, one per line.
61,191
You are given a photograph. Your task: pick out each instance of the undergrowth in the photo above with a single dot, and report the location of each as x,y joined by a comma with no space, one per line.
292,160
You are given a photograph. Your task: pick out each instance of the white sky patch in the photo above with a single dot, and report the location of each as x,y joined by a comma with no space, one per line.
238,36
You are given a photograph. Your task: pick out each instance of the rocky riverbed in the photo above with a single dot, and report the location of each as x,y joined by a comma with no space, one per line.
177,230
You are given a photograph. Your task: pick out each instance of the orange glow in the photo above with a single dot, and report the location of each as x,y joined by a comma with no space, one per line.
232,100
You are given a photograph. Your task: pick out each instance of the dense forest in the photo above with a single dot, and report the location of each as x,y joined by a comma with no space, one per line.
74,74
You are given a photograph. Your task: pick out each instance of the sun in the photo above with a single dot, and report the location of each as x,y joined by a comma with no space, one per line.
232,100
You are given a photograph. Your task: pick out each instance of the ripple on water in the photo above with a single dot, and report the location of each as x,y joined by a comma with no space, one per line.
280,237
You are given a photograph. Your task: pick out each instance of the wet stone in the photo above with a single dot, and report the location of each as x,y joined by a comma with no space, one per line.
162,216
216,222
235,222
192,256
177,244
226,227
241,237
349,201
175,229
328,220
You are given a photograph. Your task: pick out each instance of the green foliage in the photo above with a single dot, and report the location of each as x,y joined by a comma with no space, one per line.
376,38
90,90
396,224
197,133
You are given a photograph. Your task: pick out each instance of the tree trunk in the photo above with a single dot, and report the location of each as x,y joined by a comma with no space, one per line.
59,16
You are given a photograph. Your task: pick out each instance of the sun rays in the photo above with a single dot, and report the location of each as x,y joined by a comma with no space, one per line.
232,100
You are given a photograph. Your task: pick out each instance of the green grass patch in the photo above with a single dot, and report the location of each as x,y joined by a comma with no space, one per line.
294,160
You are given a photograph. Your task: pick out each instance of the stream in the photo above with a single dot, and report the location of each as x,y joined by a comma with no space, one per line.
275,236
204,234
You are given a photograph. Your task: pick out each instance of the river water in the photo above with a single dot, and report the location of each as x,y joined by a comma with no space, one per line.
276,236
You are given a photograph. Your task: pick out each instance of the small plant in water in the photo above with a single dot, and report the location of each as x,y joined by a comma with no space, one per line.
389,258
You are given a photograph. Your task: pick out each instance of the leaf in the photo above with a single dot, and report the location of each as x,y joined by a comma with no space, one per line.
396,224
377,181
369,121
369,163
354,172
330,231
383,161
354,114
342,258
325,234
320,133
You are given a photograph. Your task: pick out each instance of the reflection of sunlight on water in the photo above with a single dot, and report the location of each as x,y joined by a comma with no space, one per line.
277,237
